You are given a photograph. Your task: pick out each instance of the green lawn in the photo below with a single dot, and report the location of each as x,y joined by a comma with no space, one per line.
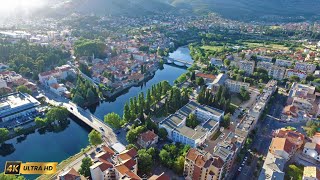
269,46
235,99
212,48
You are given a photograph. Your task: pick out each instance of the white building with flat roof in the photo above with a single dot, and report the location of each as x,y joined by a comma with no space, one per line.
16,105
175,124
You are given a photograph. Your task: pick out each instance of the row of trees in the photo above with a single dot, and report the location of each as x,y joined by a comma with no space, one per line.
138,106
29,60
84,94
220,100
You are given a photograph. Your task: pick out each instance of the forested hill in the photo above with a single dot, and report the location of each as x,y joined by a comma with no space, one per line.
236,9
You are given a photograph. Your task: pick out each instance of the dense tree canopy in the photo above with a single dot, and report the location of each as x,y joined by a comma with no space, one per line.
84,94
11,177
29,60
133,134
95,138
55,114
114,120
85,167
3,134
145,161
23,89
87,47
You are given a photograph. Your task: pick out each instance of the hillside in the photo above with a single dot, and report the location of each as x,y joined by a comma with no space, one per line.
235,9
252,9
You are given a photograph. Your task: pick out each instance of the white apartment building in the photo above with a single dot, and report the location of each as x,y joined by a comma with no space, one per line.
235,86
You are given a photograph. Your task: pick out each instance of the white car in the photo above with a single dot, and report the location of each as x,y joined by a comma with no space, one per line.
239,169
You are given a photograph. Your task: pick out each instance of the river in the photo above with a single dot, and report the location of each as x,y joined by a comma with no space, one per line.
54,147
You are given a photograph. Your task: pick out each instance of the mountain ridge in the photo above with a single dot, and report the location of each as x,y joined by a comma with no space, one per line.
234,9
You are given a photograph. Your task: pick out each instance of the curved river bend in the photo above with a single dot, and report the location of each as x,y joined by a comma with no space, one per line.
56,147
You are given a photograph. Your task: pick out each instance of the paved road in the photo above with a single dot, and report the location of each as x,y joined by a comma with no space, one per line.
108,133
263,137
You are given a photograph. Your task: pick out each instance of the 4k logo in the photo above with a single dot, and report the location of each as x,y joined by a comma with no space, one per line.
12,167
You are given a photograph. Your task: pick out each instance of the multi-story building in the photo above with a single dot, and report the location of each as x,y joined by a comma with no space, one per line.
264,65
175,124
282,147
235,86
283,63
16,105
292,72
277,72
311,173
61,72
312,149
247,66
202,166
284,144
306,67
111,166
272,168
227,152
303,101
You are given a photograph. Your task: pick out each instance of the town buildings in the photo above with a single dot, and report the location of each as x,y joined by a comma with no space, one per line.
16,105
312,149
311,173
175,124
50,79
274,71
235,86
202,166
247,66
148,139
71,174
302,103
9,80
112,166
292,72
283,146
272,168
283,63
306,67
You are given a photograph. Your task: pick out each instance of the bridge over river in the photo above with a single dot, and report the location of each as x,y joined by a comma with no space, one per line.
172,60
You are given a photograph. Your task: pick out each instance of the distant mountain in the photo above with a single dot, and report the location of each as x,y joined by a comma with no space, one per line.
252,9
235,9
113,7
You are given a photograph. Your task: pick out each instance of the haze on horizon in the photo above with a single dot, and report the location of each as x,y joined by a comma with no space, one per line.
20,8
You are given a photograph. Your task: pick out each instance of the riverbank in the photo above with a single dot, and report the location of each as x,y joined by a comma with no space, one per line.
65,164
118,92
58,146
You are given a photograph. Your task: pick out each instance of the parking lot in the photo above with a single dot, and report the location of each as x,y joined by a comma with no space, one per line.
18,121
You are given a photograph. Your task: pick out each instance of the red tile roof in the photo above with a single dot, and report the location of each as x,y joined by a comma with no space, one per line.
148,136
206,76
128,154
162,176
282,144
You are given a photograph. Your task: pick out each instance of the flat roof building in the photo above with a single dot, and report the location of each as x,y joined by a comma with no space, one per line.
175,124
15,105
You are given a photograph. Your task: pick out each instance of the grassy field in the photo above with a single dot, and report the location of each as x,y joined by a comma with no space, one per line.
235,100
269,46
212,48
